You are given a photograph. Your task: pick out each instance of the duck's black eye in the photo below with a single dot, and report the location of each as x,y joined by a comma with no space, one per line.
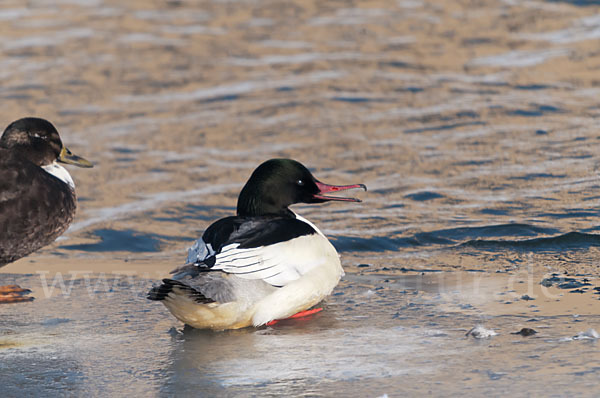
300,183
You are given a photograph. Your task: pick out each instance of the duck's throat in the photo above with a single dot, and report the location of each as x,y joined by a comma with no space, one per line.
61,173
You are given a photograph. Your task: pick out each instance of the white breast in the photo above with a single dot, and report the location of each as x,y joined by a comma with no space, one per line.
60,172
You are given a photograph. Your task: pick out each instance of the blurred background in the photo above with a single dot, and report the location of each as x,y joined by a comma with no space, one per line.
472,122
454,113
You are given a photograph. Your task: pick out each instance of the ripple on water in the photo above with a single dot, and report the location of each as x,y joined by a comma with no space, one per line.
535,111
236,88
443,127
467,237
568,241
424,196
512,229
520,58
123,240
374,244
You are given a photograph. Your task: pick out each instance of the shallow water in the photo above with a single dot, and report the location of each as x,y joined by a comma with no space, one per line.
473,125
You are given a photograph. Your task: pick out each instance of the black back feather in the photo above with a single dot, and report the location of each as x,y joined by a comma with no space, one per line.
252,232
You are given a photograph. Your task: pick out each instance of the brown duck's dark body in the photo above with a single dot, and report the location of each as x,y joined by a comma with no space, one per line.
35,207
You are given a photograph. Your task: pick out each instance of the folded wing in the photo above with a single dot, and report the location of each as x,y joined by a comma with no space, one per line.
269,249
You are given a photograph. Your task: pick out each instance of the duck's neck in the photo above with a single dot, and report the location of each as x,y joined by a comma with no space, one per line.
254,203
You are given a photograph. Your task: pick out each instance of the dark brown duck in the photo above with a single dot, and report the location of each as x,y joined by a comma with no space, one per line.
37,195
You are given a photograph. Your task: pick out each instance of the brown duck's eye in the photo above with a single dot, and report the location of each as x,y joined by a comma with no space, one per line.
300,183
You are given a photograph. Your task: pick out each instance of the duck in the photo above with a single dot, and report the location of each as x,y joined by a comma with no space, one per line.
263,265
37,194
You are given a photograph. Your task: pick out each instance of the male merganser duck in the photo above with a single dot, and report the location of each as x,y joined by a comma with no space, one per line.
37,195
262,265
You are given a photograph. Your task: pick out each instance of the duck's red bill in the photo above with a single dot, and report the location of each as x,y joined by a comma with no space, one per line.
326,188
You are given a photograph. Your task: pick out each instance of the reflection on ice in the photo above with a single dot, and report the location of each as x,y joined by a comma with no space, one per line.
376,333
294,354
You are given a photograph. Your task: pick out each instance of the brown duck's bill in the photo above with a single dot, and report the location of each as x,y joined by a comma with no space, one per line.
326,188
68,157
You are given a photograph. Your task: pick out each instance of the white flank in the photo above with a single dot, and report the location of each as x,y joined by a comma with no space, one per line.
277,264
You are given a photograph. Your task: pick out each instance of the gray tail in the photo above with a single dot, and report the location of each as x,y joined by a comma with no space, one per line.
159,293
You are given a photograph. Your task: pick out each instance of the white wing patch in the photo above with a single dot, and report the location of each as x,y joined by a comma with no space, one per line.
277,264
